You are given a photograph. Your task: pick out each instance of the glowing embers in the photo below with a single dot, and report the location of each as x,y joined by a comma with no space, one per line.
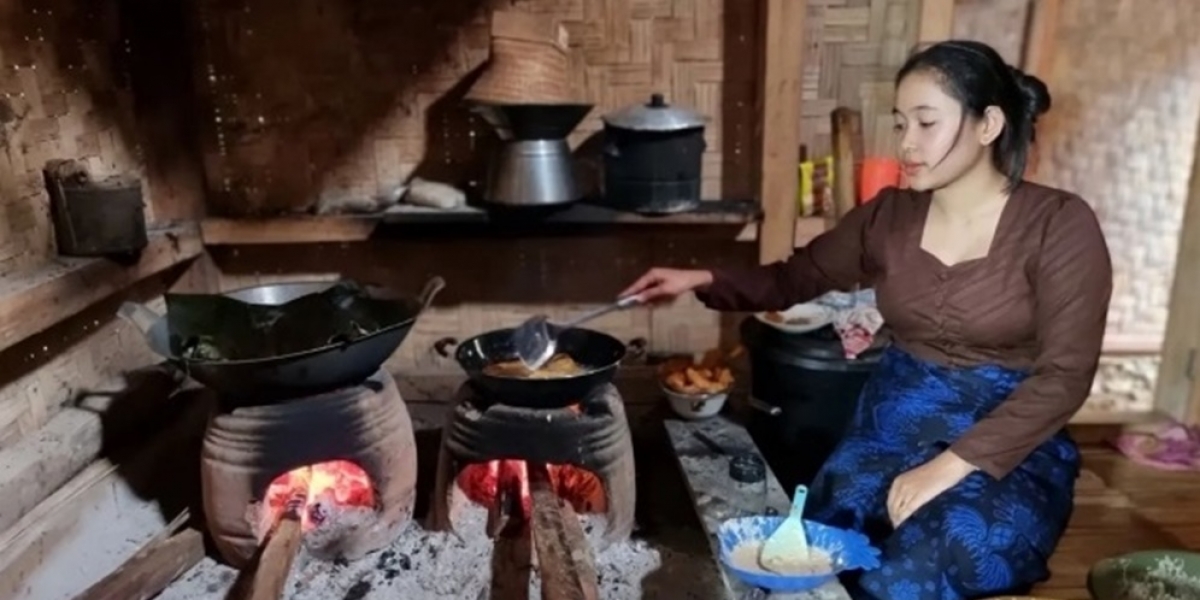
347,457
482,483
489,450
328,492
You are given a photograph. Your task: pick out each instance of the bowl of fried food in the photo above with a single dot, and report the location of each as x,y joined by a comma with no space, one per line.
697,390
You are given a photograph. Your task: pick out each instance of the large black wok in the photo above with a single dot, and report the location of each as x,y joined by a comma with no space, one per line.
598,353
298,374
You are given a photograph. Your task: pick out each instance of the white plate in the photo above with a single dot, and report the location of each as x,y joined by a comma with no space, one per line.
806,317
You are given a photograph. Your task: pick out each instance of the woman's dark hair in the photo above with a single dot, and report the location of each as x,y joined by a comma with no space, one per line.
974,74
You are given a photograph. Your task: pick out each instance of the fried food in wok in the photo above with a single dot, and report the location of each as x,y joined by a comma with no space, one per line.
559,366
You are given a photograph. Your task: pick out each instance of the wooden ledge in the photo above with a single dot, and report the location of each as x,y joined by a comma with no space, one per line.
288,230
314,229
33,302
807,228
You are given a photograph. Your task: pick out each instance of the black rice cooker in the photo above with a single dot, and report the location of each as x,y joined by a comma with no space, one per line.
653,154
805,392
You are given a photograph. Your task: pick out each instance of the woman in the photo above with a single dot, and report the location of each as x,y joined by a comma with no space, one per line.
957,463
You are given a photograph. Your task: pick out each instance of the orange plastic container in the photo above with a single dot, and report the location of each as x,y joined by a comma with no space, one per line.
876,174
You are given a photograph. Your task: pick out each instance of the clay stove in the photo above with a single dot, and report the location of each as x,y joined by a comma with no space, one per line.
348,456
585,449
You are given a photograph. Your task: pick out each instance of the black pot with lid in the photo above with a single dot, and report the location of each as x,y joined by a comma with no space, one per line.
653,154
805,392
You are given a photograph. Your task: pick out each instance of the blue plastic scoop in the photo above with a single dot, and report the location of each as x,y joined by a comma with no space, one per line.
788,546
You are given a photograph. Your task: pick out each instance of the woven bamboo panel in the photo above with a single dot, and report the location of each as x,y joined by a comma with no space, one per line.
47,111
854,50
90,82
67,93
998,23
1121,134
316,103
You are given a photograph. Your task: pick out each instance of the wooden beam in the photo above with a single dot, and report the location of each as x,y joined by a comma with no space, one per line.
846,124
1041,37
1127,344
806,229
40,464
937,22
160,561
288,230
316,229
1177,392
32,303
1037,58
564,559
783,24
35,548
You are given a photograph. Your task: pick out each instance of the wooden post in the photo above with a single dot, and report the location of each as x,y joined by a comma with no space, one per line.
1177,392
846,124
1037,57
1041,35
937,22
781,74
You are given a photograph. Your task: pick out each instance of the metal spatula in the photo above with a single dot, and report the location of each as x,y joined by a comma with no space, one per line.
789,544
536,339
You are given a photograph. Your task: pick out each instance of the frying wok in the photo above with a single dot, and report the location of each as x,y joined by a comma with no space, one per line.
293,375
599,354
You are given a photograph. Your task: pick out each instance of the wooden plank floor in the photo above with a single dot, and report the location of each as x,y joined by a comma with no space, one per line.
1122,507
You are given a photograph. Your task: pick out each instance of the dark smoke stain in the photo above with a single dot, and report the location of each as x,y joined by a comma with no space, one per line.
7,114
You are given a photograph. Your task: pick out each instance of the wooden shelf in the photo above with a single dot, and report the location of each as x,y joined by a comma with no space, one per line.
34,302
303,229
288,230
807,228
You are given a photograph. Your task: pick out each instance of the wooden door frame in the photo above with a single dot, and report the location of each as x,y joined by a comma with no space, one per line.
1177,391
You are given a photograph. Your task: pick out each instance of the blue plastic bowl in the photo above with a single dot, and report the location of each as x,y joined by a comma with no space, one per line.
848,550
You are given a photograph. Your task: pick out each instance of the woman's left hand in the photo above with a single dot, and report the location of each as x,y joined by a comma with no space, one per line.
915,488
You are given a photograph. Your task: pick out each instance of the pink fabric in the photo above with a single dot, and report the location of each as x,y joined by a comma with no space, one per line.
857,327
1174,447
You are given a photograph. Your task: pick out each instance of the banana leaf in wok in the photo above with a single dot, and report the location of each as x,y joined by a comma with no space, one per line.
214,327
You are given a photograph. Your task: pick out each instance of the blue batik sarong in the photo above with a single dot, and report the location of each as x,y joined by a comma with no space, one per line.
981,538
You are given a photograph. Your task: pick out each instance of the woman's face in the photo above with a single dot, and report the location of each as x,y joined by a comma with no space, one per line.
935,146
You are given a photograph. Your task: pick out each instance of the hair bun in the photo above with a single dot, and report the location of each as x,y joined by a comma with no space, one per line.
1037,95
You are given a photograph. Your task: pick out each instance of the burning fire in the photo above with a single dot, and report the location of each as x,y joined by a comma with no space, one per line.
482,482
319,490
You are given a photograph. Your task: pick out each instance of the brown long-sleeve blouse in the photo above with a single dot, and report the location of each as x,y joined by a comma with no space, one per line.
1037,301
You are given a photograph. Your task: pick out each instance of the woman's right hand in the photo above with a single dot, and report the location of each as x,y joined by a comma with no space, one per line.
659,284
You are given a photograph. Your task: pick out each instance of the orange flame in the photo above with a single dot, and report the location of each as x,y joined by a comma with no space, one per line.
324,486
482,482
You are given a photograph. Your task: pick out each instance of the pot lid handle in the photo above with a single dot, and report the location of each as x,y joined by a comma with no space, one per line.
655,115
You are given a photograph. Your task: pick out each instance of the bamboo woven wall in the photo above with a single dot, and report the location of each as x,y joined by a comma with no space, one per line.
66,92
1122,135
320,102
854,49
108,85
998,23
